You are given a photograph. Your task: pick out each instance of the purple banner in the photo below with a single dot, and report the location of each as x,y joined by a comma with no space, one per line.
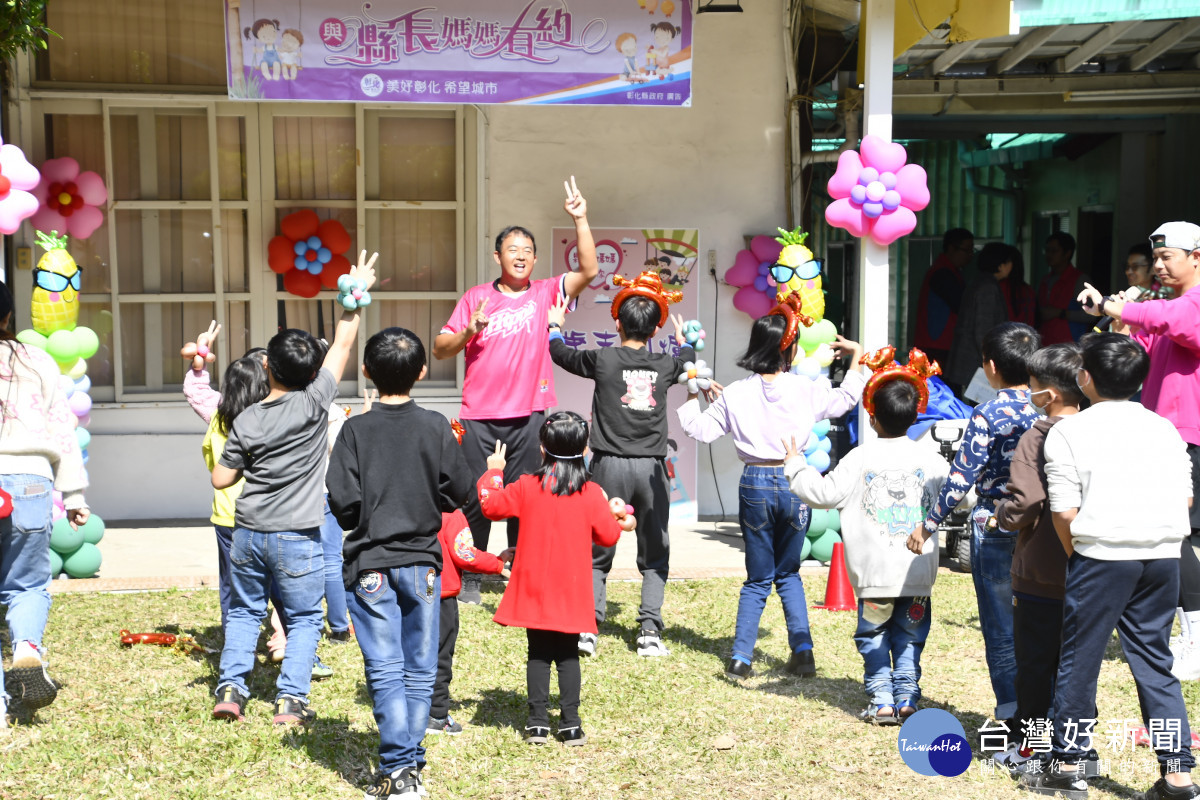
582,52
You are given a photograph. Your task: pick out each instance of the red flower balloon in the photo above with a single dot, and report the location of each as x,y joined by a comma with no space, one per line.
309,253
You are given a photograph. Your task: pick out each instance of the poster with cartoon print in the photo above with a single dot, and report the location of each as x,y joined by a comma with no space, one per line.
536,52
673,254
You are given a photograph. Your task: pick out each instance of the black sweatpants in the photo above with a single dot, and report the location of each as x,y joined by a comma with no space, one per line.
447,637
644,484
1138,599
545,648
523,456
1037,640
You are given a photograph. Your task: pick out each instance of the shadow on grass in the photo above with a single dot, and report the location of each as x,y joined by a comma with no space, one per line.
504,708
333,743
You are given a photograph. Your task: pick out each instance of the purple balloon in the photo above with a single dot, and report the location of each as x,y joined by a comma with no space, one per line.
891,200
80,404
858,195
872,210
888,179
867,175
760,283
764,268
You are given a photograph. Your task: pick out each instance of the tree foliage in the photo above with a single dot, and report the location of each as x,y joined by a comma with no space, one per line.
22,27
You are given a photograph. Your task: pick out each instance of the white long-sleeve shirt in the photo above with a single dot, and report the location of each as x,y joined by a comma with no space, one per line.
1128,472
884,488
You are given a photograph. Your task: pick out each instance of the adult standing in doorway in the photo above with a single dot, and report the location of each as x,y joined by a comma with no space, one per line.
1060,318
941,295
1170,332
983,308
509,380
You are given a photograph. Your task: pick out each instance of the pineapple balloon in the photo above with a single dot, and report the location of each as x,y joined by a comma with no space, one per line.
797,272
56,282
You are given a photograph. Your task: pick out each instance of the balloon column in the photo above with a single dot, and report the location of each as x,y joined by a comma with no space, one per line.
55,309
74,551
822,535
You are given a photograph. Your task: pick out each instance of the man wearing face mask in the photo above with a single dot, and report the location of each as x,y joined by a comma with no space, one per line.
1039,565
1170,332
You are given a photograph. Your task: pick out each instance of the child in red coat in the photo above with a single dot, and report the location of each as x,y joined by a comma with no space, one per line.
458,554
562,514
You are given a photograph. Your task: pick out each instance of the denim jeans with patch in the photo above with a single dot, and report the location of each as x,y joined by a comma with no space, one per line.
991,570
396,616
25,558
890,637
295,561
773,522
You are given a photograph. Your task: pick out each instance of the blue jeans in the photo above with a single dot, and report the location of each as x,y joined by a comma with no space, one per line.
396,613
773,522
292,559
890,637
991,570
335,590
25,558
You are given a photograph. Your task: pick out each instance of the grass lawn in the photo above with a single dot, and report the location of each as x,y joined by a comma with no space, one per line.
134,723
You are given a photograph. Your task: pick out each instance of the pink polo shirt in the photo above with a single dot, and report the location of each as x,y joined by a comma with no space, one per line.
509,372
1170,332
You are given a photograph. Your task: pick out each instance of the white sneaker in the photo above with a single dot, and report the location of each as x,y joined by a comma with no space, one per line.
587,644
26,654
1012,758
1187,661
27,681
650,645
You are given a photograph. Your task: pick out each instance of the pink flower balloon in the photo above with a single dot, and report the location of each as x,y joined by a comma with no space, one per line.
17,178
746,269
69,199
875,192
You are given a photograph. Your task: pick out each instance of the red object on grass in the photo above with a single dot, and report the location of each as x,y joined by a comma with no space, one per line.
839,596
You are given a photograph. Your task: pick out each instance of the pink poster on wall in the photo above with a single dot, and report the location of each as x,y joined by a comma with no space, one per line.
628,252
582,52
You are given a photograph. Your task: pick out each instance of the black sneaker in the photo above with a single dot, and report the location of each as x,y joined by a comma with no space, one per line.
341,637
802,664
471,593
1056,783
403,784
445,725
1162,790
738,670
231,704
28,681
650,644
293,711
536,734
572,737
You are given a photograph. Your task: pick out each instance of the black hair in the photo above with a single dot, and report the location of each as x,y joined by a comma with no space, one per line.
6,308
259,24
992,256
1065,240
639,317
245,383
255,352
1017,276
1009,346
517,229
896,407
294,357
762,354
1143,249
956,236
564,437
1118,365
394,358
1056,366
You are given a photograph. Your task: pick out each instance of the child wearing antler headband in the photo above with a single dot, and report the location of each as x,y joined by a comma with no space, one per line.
885,486
758,411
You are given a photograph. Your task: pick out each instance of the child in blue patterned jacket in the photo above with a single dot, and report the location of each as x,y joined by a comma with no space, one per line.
983,460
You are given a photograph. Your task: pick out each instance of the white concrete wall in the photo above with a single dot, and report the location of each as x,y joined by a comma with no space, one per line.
717,166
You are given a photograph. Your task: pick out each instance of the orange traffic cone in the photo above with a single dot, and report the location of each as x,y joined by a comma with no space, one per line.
839,596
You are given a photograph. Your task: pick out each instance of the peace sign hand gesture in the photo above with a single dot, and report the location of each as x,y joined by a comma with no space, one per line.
496,459
364,270
200,351
575,205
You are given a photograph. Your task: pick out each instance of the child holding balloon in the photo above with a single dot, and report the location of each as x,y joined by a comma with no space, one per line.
770,405
885,486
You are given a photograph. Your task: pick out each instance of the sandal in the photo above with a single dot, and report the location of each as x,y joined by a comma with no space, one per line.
872,714
906,708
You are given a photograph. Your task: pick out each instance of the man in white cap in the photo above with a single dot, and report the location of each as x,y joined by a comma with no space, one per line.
1170,332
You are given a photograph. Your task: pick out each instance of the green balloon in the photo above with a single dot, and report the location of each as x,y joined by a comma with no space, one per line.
822,549
835,519
86,342
93,529
805,550
64,538
818,523
807,338
32,338
62,347
55,564
825,332
84,562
